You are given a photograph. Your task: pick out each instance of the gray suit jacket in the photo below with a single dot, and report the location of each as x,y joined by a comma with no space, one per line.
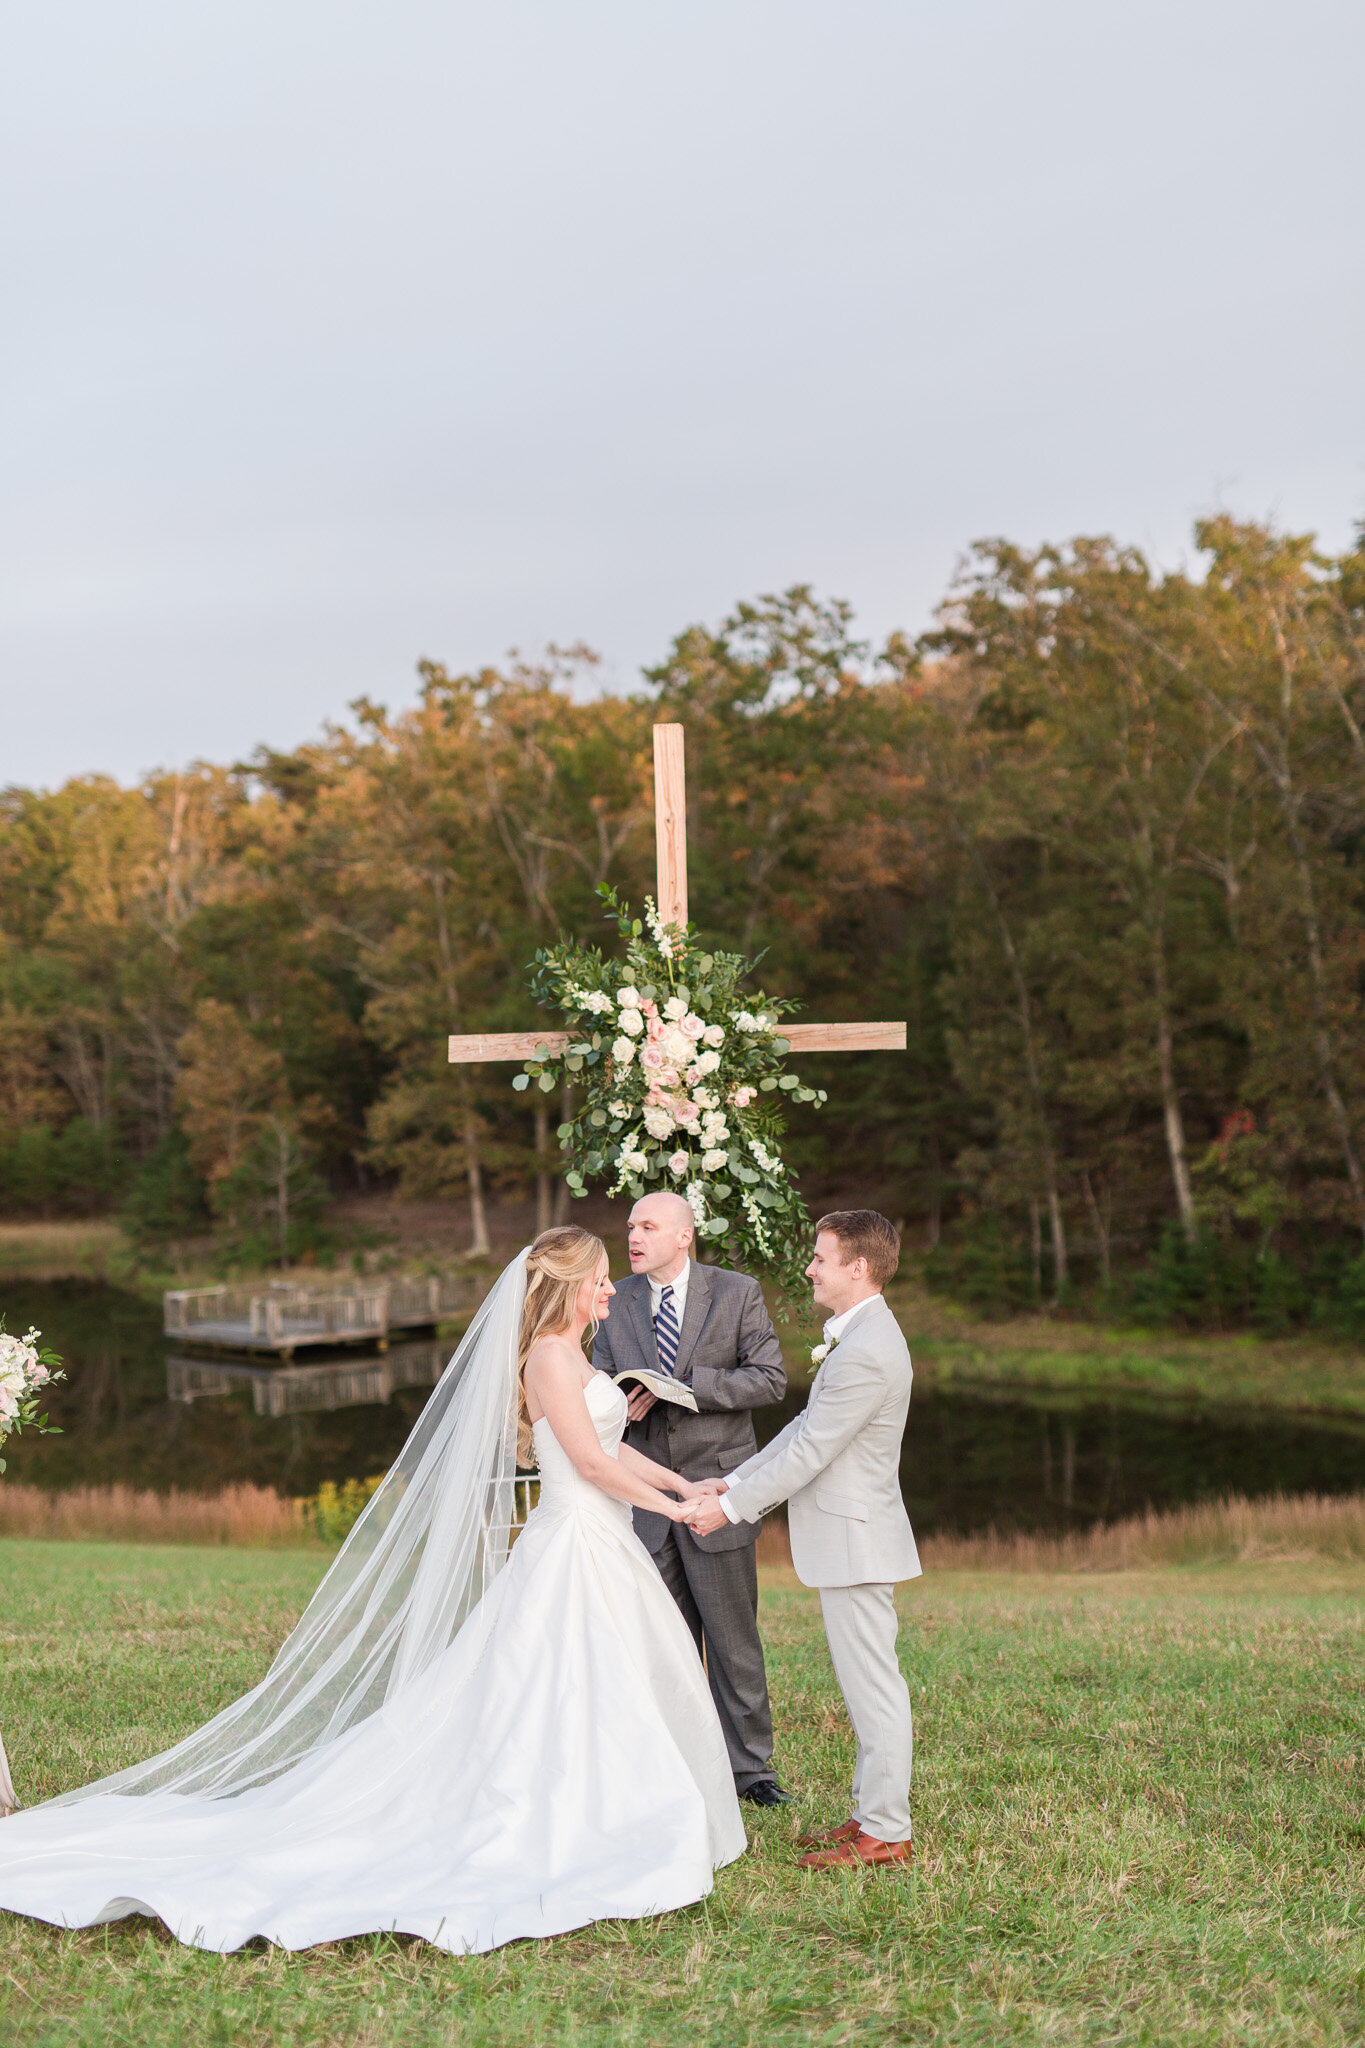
728,1354
837,1465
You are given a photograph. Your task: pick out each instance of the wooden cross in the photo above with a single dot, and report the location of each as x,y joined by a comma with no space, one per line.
670,832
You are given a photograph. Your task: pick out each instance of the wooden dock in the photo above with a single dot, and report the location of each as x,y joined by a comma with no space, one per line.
283,1319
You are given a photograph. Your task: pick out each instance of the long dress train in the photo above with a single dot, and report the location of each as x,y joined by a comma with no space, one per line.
561,1762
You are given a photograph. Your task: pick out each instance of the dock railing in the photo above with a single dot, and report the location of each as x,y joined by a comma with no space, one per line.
286,1314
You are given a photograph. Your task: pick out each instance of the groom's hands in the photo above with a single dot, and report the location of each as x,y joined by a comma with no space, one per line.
707,1514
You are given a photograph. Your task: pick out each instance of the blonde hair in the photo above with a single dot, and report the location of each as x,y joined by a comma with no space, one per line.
557,1264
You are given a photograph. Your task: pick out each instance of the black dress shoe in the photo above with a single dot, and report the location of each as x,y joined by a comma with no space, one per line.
765,1792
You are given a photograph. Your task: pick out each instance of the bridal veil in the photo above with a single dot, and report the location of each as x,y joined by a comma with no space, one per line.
427,1547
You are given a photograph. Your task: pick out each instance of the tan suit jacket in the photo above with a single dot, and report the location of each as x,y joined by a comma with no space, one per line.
837,1465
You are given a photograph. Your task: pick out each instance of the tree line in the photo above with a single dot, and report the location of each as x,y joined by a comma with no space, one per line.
1095,836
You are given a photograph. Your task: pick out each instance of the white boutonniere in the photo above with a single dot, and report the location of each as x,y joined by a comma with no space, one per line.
820,1352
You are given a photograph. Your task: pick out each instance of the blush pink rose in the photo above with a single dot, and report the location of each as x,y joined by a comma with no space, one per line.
651,1059
692,1027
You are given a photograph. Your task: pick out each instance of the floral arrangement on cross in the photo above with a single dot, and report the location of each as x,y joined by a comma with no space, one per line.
25,1369
680,1083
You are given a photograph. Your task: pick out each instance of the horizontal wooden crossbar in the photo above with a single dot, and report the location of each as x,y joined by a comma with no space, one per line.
475,1047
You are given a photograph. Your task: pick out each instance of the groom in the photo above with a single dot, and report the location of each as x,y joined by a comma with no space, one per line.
709,1328
838,1468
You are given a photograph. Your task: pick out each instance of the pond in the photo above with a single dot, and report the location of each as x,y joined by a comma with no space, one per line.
138,1411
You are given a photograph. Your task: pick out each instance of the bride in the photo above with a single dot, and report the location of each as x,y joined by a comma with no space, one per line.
453,1742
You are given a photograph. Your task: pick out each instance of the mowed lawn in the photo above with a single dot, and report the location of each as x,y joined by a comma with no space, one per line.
1138,1800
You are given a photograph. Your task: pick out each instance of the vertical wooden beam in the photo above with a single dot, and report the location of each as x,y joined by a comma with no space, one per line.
670,823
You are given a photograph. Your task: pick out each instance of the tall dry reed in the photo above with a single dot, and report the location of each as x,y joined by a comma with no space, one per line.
1302,1526
251,1515
1279,1528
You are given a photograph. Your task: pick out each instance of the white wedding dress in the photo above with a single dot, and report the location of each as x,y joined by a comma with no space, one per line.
559,1762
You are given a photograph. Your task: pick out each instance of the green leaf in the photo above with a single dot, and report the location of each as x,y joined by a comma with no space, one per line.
547,1082
706,962
598,1118
720,1189
789,1081
715,1226
635,927
573,1180
768,1081
521,1081
564,1131
782,1046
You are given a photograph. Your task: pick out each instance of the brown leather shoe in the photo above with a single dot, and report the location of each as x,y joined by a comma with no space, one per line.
863,1850
821,1839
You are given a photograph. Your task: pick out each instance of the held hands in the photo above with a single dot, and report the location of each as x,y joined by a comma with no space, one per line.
707,1515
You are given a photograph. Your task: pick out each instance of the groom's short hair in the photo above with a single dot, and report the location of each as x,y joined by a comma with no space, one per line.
863,1234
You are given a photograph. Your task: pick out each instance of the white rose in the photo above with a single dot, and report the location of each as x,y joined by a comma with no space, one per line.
658,1122
631,1021
678,1048
712,1162
707,1062
819,1353
633,1161
679,1164
622,1051
619,1108
675,1010
9,1407
12,1379
714,1034
704,1098
714,1128
746,1021
628,997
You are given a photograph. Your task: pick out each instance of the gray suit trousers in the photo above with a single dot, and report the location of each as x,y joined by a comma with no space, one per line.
717,1594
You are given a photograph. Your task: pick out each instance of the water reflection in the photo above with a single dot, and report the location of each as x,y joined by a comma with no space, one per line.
303,1389
134,1414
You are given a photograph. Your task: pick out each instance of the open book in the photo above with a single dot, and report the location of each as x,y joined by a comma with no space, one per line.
659,1383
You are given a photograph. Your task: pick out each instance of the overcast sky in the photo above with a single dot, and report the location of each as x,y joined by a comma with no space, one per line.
336,335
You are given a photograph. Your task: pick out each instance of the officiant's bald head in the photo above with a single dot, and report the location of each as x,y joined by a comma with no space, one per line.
661,1231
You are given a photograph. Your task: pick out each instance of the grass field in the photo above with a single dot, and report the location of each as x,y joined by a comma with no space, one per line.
1137,1800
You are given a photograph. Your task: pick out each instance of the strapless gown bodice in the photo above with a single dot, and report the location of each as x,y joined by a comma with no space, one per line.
563,1490
560,1763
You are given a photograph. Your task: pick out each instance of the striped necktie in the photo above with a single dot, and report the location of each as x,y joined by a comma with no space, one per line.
666,1332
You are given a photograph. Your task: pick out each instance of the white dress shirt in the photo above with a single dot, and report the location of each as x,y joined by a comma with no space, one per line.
835,1327
679,1286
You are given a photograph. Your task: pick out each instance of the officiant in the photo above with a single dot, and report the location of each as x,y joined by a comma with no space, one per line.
709,1329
